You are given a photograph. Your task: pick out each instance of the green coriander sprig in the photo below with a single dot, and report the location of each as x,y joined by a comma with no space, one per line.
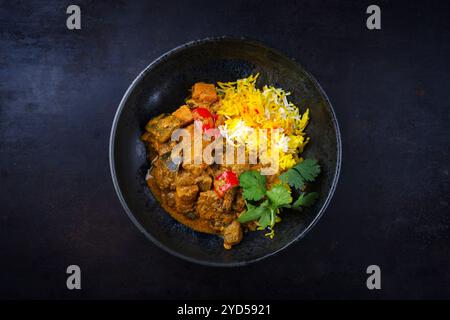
264,205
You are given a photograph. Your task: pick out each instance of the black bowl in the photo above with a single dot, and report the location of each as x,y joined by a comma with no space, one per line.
162,87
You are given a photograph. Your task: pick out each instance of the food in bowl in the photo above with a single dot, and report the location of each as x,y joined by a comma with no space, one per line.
228,160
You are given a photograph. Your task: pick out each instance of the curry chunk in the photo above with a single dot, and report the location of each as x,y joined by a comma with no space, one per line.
232,234
186,194
184,114
204,92
164,177
209,205
160,148
185,197
239,202
162,129
168,198
195,169
184,178
204,182
228,198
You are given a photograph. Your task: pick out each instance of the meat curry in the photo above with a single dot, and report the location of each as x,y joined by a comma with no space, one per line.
203,197
222,198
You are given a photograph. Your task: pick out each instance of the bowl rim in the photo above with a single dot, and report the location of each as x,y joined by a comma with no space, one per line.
119,111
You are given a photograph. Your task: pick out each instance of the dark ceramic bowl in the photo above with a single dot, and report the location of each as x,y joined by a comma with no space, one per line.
162,87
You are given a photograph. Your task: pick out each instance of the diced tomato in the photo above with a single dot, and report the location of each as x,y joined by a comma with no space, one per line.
205,117
206,126
225,181
202,112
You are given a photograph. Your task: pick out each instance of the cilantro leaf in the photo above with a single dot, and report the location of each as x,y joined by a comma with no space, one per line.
254,213
266,218
253,185
309,169
306,200
279,195
293,178
268,215
250,206
249,215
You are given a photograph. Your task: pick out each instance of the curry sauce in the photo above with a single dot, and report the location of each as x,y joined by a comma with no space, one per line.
203,197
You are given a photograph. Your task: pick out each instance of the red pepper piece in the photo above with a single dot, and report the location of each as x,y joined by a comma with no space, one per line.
204,116
225,181
202,112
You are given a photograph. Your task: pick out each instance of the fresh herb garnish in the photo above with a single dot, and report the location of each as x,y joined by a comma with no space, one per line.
279,195
305,171
254,189
306,200
253,185
298,176
264,205
267,215
253,212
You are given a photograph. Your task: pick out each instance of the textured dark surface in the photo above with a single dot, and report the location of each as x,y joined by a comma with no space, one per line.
59,90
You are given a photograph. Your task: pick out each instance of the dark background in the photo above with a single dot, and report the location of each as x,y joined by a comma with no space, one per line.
59,90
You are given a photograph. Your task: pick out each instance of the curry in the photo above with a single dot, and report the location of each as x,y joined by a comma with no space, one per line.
212,198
